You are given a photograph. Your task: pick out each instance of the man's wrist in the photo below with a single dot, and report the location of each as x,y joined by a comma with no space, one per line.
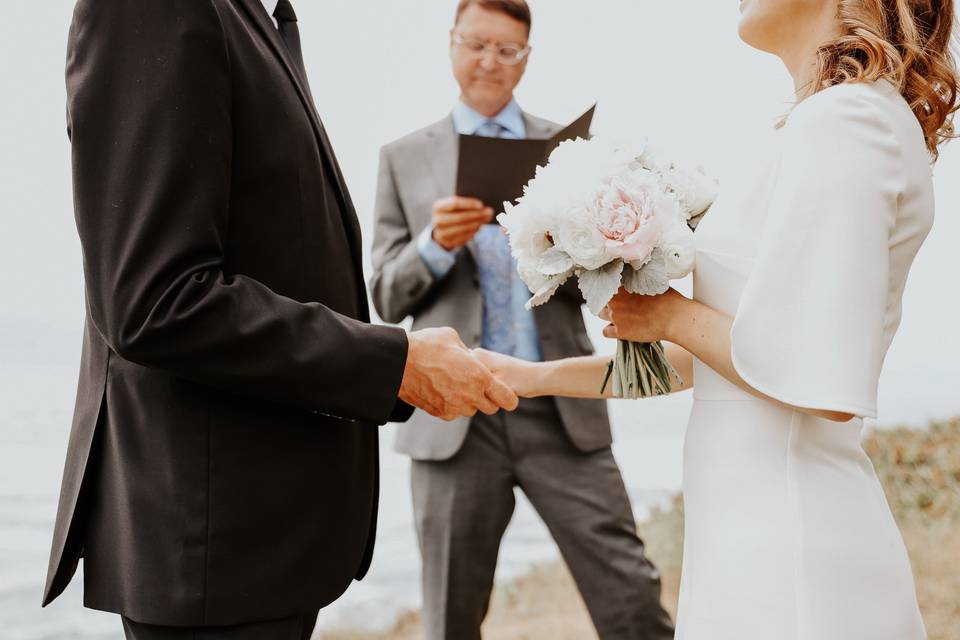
439,260
436,239
413,344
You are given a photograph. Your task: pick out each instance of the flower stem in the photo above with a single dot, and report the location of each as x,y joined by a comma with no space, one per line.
640,370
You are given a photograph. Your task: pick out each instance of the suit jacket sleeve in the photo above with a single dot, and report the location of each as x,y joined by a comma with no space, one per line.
149,105
401,280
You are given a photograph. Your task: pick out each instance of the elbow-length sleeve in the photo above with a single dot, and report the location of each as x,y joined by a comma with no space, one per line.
809,329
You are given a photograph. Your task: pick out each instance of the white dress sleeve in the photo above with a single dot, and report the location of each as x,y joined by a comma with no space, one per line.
809,329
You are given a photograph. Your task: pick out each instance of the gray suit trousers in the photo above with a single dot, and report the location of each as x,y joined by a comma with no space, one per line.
463,505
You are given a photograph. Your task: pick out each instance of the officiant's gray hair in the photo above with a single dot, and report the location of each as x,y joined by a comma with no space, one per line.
516,9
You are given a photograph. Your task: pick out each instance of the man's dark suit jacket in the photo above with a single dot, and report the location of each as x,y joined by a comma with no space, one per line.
222,465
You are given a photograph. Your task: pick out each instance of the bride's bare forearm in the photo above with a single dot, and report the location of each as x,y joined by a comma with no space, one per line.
583,377
571,377
705,333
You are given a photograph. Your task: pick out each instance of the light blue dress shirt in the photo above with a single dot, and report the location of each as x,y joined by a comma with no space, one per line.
523,340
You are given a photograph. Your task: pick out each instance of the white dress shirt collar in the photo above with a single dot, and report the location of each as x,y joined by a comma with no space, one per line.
466,120
270,6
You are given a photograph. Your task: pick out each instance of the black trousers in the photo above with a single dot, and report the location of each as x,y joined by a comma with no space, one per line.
293,628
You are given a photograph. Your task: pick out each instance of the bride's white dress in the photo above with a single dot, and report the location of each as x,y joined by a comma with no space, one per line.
788,533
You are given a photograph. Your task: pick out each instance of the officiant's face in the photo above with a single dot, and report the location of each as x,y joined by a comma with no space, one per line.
774,25
486,82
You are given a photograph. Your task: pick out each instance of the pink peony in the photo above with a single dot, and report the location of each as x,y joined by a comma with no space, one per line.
629,211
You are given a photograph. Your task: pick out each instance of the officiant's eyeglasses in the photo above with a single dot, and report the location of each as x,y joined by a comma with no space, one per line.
508,54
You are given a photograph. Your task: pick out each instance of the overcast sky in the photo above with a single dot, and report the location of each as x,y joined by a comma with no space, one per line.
671,68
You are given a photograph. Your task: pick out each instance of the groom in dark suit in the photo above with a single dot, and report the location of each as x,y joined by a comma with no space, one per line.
435,258
221,477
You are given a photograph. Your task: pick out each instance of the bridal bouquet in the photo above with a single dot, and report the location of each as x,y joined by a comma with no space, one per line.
613,215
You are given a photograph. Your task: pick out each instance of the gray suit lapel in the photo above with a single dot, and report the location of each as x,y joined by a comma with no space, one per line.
440,154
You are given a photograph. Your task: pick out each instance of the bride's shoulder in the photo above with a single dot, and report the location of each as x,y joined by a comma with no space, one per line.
850,110
866,119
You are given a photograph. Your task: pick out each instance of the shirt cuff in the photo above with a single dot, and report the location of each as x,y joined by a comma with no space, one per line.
438,260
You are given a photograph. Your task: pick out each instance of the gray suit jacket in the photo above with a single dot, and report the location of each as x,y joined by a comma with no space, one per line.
415,171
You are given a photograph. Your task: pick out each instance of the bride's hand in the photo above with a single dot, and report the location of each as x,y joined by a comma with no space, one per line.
640,318
515,373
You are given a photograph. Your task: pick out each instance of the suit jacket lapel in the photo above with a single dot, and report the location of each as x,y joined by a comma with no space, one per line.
440,155
269,32
272,36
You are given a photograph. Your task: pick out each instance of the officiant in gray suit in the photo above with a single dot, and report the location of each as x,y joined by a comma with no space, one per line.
437,258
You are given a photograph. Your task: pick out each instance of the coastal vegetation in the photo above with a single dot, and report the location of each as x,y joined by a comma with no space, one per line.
920,473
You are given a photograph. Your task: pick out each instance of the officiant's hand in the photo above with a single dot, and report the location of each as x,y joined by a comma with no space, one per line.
641,318
446,380
456,220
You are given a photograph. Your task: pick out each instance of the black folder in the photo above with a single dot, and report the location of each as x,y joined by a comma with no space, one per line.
495,170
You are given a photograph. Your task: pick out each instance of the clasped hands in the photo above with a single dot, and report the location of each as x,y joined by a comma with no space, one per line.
445,379
448,380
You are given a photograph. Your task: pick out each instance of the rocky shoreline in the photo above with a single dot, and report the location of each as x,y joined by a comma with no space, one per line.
919,470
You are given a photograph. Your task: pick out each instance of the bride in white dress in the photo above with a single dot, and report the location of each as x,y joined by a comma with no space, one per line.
797,295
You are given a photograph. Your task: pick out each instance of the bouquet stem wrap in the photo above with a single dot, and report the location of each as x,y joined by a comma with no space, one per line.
640,370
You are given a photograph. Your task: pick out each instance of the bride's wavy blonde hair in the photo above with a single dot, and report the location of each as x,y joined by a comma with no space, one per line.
907,42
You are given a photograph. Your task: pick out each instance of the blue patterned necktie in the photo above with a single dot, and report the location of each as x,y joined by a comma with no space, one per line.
496,268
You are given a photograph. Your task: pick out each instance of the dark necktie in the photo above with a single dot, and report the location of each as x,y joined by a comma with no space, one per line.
287,25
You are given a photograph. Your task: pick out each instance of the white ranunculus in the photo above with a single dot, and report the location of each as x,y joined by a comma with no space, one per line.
693,189
679,251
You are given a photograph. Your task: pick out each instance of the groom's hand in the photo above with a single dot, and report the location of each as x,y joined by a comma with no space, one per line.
446,380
